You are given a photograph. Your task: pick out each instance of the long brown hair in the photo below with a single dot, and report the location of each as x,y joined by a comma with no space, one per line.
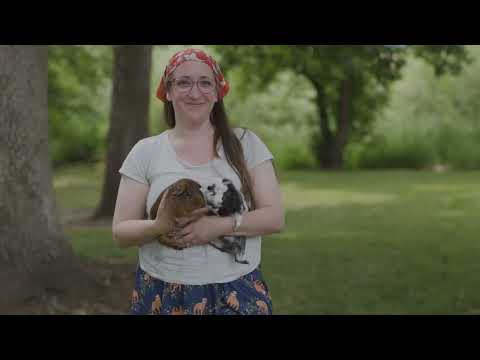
231,145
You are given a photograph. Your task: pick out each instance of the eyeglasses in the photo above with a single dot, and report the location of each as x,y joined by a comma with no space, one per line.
185,85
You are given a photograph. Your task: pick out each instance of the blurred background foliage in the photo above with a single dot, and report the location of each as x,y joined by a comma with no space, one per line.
411,114
79,101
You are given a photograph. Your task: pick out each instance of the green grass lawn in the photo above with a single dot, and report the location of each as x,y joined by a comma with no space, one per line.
379,242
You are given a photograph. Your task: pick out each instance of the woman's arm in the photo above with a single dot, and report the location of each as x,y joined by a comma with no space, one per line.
269,216
129,227
267,219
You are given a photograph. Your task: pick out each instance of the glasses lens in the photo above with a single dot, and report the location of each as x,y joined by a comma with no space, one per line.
206,85
184,84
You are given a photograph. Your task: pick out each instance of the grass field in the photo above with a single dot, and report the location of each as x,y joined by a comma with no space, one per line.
383,242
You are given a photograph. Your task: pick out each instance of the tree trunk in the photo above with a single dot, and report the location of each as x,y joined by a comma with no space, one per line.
331,144
34,252
129,115
343,124
323,141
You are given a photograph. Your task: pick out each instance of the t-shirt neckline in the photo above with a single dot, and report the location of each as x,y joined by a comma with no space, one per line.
181,161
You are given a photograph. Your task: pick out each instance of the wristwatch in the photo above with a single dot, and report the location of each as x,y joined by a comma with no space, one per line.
237,221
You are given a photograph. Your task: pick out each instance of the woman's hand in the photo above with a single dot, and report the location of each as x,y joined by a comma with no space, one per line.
199,229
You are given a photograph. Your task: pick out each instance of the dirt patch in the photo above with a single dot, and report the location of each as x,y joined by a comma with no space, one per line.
108,291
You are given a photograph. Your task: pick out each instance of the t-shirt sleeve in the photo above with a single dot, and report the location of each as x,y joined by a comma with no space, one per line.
254,149
135,164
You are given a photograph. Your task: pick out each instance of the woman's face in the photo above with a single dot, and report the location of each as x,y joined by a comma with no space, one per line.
193,92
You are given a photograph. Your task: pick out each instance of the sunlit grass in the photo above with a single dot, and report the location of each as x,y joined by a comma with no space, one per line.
98,243
378,242
78,186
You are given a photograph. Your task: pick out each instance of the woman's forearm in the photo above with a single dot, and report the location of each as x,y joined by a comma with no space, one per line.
134,233
265,221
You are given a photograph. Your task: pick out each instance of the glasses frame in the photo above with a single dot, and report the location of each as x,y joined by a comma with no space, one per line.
173,82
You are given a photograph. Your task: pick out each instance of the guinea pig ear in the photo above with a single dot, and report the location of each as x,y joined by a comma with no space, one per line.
231,187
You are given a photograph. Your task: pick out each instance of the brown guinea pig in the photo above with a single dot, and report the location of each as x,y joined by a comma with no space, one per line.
182,198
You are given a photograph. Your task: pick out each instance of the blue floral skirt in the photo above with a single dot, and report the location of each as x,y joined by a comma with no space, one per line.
248,295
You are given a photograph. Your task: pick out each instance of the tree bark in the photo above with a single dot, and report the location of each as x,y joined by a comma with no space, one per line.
129,116
331,144
343,124
34,252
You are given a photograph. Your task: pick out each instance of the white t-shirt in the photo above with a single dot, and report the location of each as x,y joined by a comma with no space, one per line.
153,161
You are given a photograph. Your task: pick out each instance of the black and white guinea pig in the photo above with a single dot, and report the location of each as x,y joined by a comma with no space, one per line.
223,199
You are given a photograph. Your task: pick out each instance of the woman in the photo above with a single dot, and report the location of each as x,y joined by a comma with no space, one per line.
200,145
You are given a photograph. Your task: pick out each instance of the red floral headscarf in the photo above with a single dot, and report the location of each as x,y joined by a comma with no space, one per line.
192,55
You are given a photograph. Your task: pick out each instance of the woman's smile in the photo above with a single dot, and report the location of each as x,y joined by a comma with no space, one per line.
194,104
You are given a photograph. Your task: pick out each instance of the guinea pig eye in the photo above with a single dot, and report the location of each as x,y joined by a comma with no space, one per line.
210,188
178,192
